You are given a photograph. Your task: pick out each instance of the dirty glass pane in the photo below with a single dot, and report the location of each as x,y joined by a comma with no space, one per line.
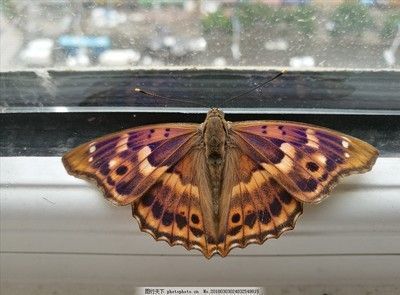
109,34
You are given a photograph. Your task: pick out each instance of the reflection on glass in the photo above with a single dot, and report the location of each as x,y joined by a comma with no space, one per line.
153,33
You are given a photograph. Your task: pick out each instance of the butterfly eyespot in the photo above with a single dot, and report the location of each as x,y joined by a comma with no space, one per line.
235,218
167,129
152,130
121,170
149,136
92,149
166,134
195,219
264,131
90,159
264,127
347,155
313,167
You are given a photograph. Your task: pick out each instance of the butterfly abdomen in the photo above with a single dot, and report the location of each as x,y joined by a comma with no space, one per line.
214,136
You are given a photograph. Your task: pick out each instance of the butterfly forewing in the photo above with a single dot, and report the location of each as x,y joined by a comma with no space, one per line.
307,160
127,163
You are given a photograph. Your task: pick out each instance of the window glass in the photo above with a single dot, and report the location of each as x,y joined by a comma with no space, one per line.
77,34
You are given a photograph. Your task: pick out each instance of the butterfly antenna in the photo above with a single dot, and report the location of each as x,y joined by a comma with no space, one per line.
167,98
257,87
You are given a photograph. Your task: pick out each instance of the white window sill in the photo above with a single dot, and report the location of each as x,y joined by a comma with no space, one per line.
52,221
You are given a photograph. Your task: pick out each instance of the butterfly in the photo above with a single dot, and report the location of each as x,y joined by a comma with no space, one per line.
219,185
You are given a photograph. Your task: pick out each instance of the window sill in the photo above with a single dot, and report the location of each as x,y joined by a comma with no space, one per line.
49,217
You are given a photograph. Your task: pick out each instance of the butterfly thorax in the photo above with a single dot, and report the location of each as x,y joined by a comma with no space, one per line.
215,135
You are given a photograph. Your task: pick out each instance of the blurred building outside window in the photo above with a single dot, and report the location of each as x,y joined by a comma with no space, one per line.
71,34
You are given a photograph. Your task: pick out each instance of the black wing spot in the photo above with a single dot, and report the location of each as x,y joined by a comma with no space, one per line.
235,218
195,219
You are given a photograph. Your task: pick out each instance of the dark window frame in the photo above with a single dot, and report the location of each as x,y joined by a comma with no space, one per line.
47,112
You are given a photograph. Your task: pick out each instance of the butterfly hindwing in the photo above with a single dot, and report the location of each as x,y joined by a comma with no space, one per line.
254,207
177,208
307,160
127,163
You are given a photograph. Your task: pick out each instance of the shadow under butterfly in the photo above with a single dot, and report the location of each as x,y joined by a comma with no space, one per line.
219,185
